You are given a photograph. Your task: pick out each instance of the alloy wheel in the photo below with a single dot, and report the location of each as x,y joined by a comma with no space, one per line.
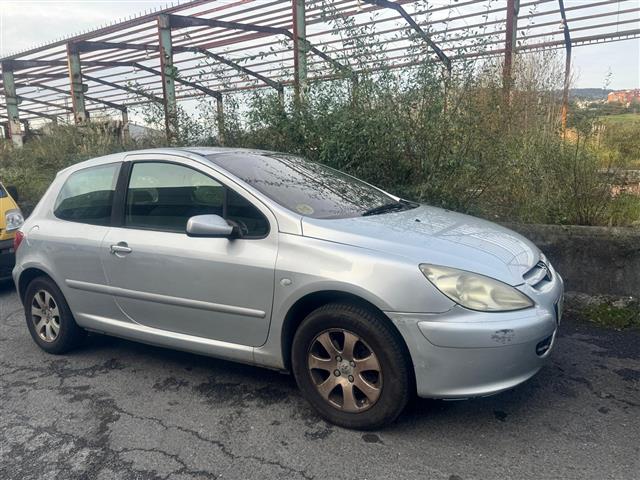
345,370
45,316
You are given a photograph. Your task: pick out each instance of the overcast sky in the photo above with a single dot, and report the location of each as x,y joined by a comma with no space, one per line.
26,23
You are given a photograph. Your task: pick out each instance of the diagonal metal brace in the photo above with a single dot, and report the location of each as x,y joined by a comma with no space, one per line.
43,102
272,83
115,106
195,86
151,97
49,116
398,8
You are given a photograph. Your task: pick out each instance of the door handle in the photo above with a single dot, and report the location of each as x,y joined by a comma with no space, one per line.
120,249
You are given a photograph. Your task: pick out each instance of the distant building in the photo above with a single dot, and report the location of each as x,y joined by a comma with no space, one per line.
625,97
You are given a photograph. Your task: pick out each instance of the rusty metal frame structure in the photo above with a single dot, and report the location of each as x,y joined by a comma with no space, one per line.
215,48
567,65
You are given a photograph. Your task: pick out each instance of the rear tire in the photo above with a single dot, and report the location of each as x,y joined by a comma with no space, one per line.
351,365
49,318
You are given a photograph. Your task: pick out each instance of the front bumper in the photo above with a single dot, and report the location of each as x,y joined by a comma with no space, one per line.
7,259
463,353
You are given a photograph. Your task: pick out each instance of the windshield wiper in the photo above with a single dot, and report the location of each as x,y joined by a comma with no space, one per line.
387,207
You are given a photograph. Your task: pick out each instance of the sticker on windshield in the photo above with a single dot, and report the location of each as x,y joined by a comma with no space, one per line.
304,209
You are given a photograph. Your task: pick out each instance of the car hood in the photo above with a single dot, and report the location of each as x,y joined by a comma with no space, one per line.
437,236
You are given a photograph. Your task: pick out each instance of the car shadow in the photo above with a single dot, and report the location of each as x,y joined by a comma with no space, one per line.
223,382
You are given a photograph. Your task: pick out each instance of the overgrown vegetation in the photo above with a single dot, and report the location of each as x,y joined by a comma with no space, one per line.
32,168
619,313
455,141
621,137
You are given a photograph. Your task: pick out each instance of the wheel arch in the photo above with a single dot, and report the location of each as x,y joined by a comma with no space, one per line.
311,301
27,276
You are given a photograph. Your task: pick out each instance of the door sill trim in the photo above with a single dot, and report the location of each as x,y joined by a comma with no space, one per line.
166,338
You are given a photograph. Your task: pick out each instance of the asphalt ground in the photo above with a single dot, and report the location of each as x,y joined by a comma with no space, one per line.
120,410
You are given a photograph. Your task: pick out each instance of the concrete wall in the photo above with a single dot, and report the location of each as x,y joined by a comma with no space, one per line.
593,260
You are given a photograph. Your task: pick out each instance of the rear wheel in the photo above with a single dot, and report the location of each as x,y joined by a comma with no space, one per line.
49,318
350,365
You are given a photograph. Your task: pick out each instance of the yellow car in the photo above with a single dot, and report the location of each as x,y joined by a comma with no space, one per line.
11,220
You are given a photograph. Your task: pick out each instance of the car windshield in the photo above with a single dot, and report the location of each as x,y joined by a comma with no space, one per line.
306,187
3,193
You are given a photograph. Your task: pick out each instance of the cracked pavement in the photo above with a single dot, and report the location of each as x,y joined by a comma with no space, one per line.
120,410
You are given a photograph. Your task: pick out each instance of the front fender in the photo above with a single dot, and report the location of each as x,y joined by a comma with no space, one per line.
306,265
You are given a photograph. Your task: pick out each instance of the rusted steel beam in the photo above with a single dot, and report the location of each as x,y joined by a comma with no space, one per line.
76,85
169,75
91,46
300,47
24,64
42,76
181,21
59,90
44,102
51,117
125,126
153,98
272,83
220,118
409,19
567,66
11,101
511,31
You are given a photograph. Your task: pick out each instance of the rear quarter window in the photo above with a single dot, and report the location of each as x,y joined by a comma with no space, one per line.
87,195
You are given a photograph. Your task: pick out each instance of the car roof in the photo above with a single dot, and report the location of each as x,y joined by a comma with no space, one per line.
200,151
205,151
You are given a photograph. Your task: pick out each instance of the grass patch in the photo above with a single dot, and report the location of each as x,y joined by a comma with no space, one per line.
622,119
621,138
616,314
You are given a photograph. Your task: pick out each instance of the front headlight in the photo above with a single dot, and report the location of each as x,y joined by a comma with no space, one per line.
475,291
13,220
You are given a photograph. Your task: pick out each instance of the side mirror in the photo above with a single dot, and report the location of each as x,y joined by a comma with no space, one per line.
210,226
13,191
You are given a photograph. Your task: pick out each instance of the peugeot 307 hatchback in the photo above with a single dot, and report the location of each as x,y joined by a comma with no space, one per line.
271,260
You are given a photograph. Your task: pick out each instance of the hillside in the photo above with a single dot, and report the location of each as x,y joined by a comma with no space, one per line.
588,93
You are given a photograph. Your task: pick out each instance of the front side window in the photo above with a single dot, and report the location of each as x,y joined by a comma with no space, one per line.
87,195
163,196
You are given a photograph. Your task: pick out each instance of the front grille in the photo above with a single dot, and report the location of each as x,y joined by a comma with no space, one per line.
539,275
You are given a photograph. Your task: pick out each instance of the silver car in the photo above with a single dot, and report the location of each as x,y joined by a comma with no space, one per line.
271,260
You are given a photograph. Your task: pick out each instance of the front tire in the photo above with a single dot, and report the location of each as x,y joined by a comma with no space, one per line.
351,366
49,317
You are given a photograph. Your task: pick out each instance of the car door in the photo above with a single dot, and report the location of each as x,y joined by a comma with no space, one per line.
70,237
216,288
